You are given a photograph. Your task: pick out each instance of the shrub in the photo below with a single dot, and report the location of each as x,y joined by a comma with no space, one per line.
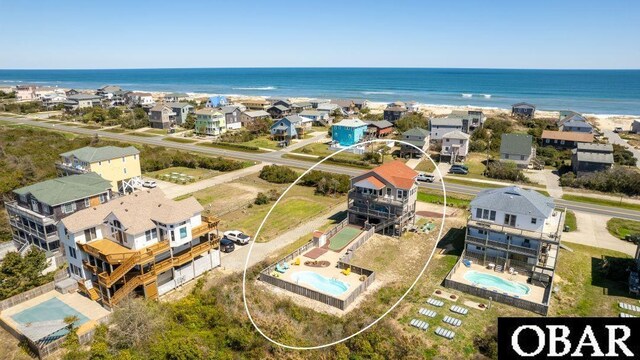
261,199
478,145
622,156
235,146
327,183
616,180
505,171
372,157
278,174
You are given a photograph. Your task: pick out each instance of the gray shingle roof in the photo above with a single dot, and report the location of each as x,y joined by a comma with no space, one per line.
92,154
595,147
516,144
456,134
446,122
514,199
382,124
595,157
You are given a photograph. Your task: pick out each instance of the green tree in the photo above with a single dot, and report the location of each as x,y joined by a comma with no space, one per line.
114,113
21,273
414,120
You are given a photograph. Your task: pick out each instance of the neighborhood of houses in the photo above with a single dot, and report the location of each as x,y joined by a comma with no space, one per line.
118,238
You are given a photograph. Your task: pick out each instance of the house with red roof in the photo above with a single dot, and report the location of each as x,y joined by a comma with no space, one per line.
384,197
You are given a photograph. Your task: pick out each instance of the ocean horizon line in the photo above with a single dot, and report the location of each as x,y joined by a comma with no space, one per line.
323,67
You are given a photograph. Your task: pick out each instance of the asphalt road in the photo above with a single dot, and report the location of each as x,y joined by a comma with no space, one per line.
275,157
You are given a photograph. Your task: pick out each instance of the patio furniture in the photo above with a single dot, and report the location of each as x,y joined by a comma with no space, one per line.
281,268
466,262
452,321
447,334
491,266
459,310
422,325
346,271
297,262
427,312
629,307
434,302
625,315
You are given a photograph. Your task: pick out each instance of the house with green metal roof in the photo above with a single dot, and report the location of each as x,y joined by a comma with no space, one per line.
517,148
120,165
37,208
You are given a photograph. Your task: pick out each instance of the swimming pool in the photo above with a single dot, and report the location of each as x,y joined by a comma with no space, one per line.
491,281
52,309
320,283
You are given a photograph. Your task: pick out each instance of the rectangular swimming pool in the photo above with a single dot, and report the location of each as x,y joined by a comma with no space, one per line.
52,309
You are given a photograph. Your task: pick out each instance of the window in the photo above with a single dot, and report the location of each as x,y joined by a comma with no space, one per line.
534,220
388,191
486,214
506,156
68,208
34,204
509,219
401,194
99,162
103,198
151,234
72,252
183,232
86,202
521,157
90,234
46,209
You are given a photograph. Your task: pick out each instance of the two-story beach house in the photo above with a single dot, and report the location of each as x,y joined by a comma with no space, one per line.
471,119
140,98
140,243
120,166
394,112
318,117
513,236
384,197
379,129
217,101
232,116
162,117
26,92
419,138
523,110
210,121
441,126
576,123
37,208
175,97
181,110
455,146
290,127
590,158
248,117
82,101
348,132
517,148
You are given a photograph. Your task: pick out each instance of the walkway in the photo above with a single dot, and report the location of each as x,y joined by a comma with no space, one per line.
172,190
317,137
616,139
235,260
412,163
552,181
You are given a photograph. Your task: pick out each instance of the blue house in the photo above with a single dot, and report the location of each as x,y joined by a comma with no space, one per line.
217,101
290,127
348,132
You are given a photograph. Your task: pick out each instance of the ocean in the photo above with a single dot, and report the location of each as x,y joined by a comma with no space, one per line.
587,91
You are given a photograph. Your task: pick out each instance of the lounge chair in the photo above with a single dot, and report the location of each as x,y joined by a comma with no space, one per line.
297,262
427,312
434,302
280,268
466,263
459,310
452,321
422,325
347,271
629,307
625,315
447,334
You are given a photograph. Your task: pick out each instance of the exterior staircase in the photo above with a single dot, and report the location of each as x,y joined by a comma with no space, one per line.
89,290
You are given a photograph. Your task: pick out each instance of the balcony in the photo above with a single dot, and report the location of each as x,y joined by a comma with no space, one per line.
209,224
378,199
552,236
71,168
503,246
28,213
114,253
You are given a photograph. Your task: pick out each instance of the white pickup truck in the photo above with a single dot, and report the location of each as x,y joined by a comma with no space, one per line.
237,236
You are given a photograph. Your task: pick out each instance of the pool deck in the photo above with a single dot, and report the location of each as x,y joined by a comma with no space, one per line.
91,309
536,294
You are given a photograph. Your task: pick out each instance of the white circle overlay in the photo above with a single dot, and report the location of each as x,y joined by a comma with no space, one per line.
424,268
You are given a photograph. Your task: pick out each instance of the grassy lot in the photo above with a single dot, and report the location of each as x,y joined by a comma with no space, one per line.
156,131
116,130
603,202
459,181
570,221
179,140
263,142
620,228
456,200
476,167
93,127
198,174
425,166
140,134
226,147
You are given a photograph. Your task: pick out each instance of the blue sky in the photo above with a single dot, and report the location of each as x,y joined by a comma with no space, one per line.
483,34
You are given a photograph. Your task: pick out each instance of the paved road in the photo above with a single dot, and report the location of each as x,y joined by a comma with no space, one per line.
275,157
614,138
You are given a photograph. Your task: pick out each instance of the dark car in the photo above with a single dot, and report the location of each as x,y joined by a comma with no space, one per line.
461,166
227,245
458,170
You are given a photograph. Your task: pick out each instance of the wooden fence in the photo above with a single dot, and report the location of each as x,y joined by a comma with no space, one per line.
30,294
362,238
331,233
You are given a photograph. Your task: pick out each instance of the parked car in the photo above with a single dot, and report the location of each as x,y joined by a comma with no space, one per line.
618,130
227,245
458,170
461,166
237,236
425,177
149,184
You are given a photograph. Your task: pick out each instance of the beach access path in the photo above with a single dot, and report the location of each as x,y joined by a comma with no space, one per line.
614,138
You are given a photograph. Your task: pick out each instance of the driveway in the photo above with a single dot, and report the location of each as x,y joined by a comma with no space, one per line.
616,139
317,137
592,231
552,181
444,170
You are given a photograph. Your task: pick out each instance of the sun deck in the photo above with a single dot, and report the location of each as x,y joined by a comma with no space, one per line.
551,231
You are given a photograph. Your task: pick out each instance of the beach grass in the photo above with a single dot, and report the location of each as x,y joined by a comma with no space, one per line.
140,134
621,228
604,202
179,140
115,130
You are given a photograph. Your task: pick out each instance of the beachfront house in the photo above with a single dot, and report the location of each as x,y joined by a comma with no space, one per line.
471,119
590,158
379,129
348,106
182,111
278,111
523,110
250,116
384,197
394,112
136,98
256,104
25,92
290,127
512,235
52,100
635,126
348,132
161,117
441,126
316,102
455,146
143,244
82,101
565,139
232,116
210,122
36,209
517,148
175,97
301,106
576,123
419,138
412,106
318,117
108,91
330,109
217,101
119,165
